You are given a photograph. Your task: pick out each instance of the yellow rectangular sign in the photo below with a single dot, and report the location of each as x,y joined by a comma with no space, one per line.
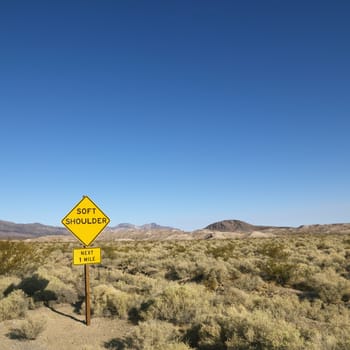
83,256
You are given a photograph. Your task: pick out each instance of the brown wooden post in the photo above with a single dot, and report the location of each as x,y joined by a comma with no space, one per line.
87,295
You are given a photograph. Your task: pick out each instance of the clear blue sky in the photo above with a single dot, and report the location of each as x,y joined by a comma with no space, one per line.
179,112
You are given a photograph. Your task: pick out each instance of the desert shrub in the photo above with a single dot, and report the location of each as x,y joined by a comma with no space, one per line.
211,280
179,304
216,276
139,284
258,330
108,251
248,282
224,250
238,328
327,341
243,265
329,286
233,296
324,243
47,289
58,258
206,335
51,285
62,292
13,306
18,257
63,272
330,260
208,271
302,274
276,266
156,335
343,339
209,335
7,284
286,307
275,250
108,301
145,267
180,270
30,329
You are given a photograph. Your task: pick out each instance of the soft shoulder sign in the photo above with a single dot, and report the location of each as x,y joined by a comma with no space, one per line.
86,221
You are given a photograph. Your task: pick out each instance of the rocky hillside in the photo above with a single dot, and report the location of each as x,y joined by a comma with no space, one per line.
11,230
241,229
237,226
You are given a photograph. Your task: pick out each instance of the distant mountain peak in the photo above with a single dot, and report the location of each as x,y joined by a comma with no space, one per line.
236,226
154,226
125,225
145,227
230,226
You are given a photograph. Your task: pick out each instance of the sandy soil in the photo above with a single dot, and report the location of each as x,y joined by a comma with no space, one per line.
65,330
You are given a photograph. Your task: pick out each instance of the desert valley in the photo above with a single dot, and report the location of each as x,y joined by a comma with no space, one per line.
228,286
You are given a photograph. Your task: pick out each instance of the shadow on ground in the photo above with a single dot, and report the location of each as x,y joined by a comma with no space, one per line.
34,286
64,314
116,344
16,334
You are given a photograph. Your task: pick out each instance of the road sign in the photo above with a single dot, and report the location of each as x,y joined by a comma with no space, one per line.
82,256
86,221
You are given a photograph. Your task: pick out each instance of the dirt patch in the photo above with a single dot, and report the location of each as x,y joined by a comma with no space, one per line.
65,330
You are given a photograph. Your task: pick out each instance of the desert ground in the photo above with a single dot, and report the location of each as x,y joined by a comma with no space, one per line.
64,330
285,292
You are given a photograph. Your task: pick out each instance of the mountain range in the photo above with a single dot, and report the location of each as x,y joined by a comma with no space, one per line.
11,230
153,231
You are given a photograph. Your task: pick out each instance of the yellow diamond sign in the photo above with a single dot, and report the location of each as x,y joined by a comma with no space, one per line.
86,221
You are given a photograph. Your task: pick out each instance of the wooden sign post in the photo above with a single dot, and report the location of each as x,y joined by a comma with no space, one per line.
86,221
87,295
